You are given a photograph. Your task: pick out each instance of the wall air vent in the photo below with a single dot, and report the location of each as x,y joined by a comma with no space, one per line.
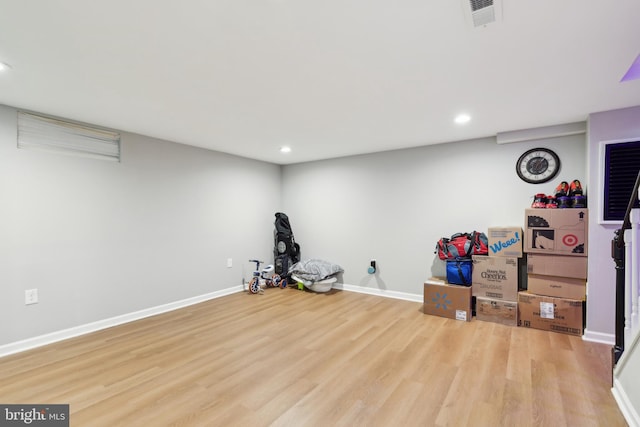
483,12
51,134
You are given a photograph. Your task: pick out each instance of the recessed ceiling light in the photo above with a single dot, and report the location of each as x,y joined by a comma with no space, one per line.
462,118
4,66
285,149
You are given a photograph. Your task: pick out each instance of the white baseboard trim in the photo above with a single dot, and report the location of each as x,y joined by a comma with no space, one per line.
599,337
64,334
625,405
380,292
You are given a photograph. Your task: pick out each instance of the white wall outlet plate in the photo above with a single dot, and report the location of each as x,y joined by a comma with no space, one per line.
31,296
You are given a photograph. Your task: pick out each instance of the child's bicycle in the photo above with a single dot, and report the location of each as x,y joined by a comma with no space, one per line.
266,277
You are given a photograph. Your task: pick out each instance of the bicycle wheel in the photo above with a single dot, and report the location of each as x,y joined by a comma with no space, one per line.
275,280
254,285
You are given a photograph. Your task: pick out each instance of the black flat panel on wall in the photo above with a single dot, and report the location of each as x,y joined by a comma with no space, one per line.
622,163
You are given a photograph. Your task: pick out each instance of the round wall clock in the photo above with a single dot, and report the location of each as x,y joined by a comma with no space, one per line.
538,165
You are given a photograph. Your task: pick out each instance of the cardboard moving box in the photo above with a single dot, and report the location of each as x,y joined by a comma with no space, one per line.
452,301
505,241
562,287
557,265
495,277
497,311
556,231
550,313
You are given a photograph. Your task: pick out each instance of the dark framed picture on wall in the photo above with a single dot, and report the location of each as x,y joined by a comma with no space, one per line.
620,166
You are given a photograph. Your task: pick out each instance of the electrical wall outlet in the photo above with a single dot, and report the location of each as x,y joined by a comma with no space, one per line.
31,296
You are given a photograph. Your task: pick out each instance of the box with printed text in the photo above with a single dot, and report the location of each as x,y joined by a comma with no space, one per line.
442,299
495,277
555,286
550,313
556,231
497,311
505,241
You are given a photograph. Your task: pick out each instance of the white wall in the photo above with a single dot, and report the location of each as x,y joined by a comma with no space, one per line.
100,239
604,126
394,206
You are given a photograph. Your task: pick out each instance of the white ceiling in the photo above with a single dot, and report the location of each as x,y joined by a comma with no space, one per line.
329,78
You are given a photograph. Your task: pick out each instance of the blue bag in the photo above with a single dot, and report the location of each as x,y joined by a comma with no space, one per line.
459,271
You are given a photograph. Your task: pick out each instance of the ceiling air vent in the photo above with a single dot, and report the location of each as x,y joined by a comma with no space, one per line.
482,12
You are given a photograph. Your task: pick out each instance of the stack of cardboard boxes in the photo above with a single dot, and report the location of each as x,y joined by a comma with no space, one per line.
495,283
496,277
555,241
554,271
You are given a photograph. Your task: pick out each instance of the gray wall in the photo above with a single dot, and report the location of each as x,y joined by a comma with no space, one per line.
100,239
394,206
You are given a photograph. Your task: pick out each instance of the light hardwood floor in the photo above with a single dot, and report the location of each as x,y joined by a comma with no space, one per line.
295,358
